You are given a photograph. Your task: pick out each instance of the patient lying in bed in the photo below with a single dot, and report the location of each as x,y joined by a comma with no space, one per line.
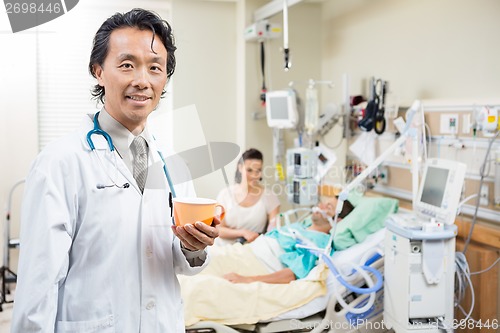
280,253
269,263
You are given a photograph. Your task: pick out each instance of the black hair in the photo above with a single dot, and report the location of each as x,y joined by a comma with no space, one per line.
346,209
136,18
250,154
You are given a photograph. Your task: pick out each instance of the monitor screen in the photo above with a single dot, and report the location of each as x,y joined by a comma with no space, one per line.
440,190
279,107
434,186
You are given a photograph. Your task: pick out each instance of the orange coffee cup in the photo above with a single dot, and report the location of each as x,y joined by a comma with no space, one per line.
190,210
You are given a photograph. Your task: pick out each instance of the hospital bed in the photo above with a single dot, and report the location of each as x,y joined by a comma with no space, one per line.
323,313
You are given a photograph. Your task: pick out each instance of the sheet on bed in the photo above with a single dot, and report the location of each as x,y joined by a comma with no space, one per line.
208,296
355,253
368,216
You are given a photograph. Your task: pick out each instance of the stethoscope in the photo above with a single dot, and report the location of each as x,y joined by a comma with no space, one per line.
97,130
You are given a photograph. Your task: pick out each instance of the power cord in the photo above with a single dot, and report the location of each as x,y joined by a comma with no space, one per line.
442,325
482,174
462,278
487,269
262,67
463,281
459,207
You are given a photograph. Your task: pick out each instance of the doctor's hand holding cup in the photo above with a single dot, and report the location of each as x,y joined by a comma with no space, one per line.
196,221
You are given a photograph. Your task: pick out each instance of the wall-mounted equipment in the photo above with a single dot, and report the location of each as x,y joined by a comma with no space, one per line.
374,114
273,8
281,109
302,188
262,30
486,119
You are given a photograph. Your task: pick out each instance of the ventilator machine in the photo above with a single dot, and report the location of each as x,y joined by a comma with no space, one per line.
419,264
420,254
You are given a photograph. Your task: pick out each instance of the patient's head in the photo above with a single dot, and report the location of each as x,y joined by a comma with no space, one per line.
328,204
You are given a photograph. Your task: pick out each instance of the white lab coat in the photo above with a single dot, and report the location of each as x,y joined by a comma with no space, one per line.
97,260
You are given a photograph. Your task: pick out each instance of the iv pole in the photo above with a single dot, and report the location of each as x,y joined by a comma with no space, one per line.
7,275
286,50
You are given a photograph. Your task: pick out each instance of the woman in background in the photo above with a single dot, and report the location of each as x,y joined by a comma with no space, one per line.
250,207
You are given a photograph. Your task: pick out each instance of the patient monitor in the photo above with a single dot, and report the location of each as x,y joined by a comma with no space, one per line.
420,253
440,192
281,109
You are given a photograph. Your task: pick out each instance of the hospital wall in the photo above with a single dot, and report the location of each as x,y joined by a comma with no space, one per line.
425,49
220,73
440,53
436,51
206,73
18,125
304,41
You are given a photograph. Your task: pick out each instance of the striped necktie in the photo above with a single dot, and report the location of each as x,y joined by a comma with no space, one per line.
139,148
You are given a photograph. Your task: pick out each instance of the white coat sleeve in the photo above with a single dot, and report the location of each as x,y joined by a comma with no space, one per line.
186,265
45,240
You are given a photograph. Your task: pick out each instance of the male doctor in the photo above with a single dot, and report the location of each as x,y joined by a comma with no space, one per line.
99,252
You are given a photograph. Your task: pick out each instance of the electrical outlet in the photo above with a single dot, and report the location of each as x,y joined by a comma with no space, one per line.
449,124
484,195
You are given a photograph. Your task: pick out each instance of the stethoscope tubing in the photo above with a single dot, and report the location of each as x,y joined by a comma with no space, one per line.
97,130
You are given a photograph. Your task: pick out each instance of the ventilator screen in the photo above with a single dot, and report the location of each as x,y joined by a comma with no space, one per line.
434,186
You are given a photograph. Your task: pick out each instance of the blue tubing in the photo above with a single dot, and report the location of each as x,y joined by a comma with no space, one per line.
370,261
375,288
373,259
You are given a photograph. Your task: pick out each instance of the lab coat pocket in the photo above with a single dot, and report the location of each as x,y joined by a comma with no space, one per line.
102,325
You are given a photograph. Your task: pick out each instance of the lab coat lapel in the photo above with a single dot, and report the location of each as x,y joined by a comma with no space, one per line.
122,168
156,177
112,161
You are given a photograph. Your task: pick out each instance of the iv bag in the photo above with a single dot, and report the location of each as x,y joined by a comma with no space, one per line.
312,110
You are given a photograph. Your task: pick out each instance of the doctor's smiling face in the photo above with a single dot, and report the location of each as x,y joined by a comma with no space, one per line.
133,74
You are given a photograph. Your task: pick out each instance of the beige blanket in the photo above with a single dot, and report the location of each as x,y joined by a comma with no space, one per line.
208,296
